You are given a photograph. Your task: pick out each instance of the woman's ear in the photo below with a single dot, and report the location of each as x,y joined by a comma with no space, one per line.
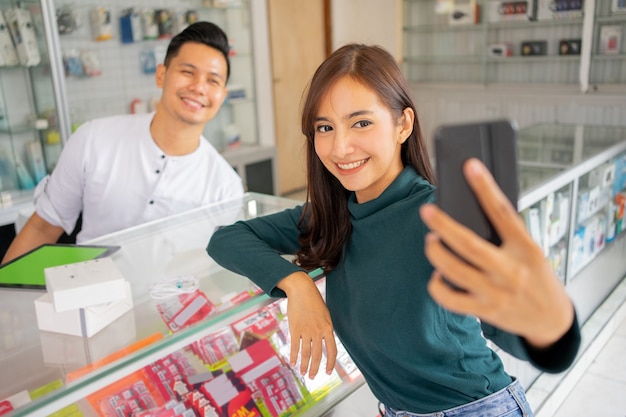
406,124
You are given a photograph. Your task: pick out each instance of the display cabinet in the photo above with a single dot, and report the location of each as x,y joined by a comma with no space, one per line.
30,135
573,182
514,42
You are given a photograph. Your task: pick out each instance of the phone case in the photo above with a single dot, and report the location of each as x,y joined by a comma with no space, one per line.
495,144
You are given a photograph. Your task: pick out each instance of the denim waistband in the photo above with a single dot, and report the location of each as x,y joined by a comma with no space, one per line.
498,404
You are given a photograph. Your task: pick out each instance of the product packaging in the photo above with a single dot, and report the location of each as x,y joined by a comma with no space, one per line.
101,25
8,56
23,33
130,26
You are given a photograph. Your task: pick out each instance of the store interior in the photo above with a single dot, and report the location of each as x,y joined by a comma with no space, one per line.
557,69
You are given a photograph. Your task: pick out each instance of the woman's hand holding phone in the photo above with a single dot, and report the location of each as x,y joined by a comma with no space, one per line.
510,286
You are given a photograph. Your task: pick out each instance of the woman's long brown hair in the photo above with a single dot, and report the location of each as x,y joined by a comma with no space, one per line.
325,219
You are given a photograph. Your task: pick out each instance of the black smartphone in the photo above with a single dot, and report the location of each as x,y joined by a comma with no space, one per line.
495,144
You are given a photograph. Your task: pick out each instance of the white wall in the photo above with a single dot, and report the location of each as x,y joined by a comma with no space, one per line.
368,21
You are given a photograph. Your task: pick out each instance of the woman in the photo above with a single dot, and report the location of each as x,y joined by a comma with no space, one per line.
368,176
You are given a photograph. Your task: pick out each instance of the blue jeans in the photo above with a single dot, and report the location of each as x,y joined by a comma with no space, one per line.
508,402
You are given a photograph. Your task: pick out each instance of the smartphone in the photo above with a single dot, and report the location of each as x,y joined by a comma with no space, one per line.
495,144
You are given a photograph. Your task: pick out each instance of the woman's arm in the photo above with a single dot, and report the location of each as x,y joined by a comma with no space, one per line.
511,286
254,248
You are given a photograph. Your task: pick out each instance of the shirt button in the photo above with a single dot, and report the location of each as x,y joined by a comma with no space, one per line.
158,171
162,156
151,202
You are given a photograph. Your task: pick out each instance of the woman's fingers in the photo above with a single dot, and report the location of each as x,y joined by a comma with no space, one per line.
494,203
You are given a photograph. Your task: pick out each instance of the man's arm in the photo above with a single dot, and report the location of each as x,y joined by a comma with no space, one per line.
35,232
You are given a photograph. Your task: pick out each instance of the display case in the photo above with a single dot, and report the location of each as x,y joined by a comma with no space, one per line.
46,372
573,182
514,42
75,371
30,133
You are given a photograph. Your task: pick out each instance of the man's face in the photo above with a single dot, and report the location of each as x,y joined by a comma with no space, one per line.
193,84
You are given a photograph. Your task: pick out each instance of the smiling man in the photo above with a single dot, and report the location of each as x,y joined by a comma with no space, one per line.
125,170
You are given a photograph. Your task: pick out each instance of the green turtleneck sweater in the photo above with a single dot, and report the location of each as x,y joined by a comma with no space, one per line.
414,354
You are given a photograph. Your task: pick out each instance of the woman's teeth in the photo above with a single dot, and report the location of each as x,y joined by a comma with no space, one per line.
352,165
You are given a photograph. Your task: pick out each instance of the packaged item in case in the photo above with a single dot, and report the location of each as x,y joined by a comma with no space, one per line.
23,176
165,23
266,375
185,309
130,26
500,49
569,46
610,39
72,63
261,323
101,25
8,56
132,394
14,401
90,63
511,10
149,24
229,397
216,346
67,19
618,6
533,48
23,33
464,12
35,159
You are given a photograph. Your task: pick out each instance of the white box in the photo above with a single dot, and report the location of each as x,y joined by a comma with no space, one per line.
84,284
83,321
21,25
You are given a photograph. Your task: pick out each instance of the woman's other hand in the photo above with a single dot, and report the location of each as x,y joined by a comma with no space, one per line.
310,325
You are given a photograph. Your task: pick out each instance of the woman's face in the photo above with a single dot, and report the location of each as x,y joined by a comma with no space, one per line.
358,140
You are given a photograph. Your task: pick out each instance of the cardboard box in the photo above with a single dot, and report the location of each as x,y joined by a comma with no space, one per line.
84,284
83,321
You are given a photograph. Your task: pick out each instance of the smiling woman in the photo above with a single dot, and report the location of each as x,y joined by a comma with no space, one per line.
369,176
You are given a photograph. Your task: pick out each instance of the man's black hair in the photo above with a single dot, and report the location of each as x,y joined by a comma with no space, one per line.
206,33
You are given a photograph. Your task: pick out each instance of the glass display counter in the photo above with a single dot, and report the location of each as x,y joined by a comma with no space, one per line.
77,373
571,179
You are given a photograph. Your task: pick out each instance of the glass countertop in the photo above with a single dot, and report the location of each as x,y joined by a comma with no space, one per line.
148,254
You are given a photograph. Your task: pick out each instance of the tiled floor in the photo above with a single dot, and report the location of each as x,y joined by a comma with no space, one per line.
602,389
596,384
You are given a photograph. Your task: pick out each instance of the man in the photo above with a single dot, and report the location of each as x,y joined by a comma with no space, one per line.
125,170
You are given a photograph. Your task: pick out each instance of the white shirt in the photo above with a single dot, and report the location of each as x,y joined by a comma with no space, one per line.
112,170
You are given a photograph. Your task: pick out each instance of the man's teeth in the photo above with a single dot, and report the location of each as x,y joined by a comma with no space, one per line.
351,165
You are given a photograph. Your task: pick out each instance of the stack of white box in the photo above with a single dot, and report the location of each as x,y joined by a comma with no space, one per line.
83,298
